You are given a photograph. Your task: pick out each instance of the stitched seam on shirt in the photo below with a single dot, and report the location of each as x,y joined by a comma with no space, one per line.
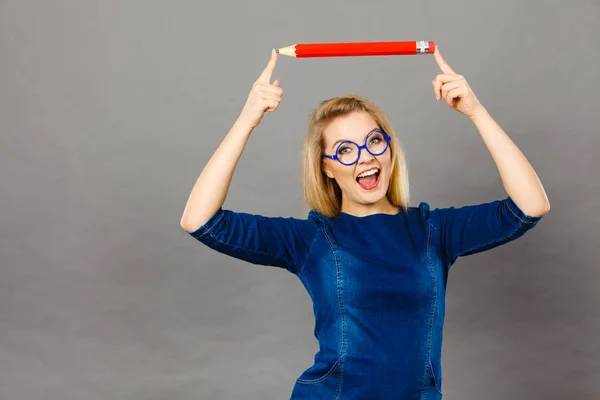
434,379
300,267
493,241
213,225
433,303
336,365
431,225
515,214
235,247
340,300
328,375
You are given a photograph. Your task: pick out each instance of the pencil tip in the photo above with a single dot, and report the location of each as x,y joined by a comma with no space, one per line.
277,51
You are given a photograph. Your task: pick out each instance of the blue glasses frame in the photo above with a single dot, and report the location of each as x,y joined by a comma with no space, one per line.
364,146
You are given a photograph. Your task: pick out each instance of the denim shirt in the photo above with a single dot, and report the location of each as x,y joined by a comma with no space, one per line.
377,284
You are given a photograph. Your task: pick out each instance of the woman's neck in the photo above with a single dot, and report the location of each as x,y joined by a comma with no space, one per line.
362,210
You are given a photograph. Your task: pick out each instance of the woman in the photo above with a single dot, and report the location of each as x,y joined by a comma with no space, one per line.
375,268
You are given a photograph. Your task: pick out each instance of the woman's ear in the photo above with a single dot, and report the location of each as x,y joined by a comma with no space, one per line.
326,170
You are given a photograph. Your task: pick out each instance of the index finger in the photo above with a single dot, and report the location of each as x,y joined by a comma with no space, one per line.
265,77
441,63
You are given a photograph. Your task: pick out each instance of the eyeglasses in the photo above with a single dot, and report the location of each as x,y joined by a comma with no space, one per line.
348,152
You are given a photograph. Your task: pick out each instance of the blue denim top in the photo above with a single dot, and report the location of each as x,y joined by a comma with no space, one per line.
377,283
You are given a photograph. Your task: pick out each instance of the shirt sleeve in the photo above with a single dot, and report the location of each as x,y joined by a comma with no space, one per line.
272,241
475,228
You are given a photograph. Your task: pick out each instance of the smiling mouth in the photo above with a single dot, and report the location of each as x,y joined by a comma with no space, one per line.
369,182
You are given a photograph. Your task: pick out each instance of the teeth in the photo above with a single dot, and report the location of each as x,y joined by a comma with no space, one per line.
371,172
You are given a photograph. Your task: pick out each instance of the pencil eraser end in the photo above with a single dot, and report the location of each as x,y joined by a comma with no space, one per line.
431,47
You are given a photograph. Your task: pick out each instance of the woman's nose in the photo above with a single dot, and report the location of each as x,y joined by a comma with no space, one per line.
365,156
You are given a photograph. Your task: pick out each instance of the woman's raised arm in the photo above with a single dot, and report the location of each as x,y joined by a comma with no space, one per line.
210,190
274,241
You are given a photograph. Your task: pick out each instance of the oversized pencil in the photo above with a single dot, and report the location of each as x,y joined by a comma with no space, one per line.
358,49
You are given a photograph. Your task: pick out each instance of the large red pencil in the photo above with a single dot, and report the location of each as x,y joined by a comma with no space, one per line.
358,49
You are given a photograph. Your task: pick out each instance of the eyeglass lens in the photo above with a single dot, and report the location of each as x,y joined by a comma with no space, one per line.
348,152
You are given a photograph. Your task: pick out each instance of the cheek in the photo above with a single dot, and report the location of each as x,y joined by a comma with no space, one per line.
344,175
388,156
386,162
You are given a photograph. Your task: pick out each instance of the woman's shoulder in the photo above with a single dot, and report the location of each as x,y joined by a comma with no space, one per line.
317,219
423,212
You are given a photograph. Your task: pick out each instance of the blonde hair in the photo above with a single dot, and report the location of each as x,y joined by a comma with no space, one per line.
324,194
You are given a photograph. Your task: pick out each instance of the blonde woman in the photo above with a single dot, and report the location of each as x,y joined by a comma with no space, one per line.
374,267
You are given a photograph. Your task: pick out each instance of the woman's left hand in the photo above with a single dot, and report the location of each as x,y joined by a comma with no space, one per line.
454,89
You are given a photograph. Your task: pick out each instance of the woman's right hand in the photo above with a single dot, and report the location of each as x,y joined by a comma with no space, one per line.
263,97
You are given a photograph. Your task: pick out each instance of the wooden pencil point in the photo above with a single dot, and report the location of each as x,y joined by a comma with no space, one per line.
288,51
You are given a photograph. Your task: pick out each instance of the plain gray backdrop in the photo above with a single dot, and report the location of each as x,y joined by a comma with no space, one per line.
109,110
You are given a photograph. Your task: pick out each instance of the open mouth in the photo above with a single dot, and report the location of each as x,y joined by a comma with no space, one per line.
369,182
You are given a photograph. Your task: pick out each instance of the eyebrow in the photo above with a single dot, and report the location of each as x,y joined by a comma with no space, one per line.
341,140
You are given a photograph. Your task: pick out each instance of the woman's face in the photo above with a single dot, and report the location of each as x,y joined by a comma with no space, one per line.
357,197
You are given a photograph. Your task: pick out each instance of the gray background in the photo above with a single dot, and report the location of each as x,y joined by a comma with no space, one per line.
110,109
